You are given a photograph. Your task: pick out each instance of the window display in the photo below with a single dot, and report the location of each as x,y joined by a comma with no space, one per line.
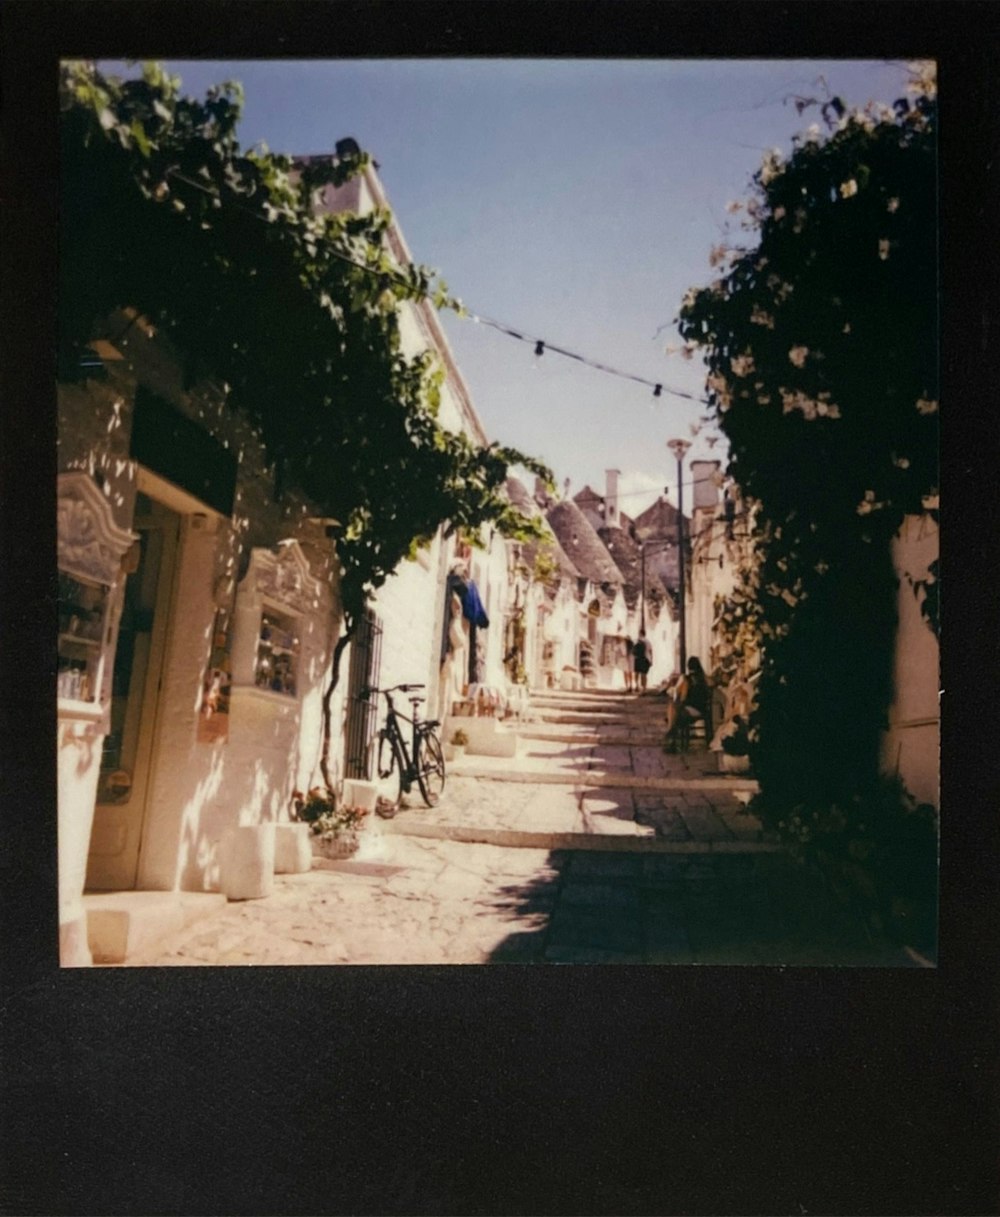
82,613
277,653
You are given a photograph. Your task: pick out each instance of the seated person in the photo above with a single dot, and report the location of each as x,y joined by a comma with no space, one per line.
691,698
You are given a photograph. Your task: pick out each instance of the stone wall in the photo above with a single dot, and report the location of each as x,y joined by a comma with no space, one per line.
911,746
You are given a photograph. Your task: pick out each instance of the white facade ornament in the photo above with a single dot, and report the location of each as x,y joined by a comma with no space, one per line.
284,577
90,543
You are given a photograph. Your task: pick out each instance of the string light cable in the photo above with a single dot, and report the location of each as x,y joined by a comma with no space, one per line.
540,345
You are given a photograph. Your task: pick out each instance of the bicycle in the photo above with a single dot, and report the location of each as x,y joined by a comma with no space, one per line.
398,767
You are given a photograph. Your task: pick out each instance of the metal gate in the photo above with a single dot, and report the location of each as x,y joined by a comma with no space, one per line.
362,711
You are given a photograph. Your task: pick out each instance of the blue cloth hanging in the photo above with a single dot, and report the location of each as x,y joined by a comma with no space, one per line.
472,607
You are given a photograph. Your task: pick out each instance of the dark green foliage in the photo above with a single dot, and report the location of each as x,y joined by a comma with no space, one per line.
821,345
294,314
221,249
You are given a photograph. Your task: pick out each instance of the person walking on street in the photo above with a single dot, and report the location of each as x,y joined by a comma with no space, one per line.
629,669
642,660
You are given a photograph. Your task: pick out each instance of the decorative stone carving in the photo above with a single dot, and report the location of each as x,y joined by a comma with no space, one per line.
90,543
284,577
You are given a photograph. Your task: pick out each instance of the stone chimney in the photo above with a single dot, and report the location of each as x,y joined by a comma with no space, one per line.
611,516
704,474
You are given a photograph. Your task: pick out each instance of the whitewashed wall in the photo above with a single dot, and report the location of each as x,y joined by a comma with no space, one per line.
197,789
911,746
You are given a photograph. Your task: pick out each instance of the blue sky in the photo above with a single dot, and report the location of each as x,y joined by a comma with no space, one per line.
576,200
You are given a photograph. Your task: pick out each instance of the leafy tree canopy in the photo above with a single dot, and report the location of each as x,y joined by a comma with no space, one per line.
292,311
820,339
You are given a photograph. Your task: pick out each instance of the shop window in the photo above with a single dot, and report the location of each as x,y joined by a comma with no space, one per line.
82,614
276,668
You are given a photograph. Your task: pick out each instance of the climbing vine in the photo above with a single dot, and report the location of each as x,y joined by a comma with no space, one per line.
820,340
293,312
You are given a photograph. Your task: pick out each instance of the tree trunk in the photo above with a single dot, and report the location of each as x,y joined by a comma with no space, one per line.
338,652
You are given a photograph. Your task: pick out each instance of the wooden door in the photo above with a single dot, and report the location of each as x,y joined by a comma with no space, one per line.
125,764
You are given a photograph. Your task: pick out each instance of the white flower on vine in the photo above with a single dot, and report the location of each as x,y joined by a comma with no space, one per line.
760,316
717,255
772,166
798,401
848,189
927,407
742,365
883,248
798,356
892,205
812,133
923,77
847,327
821,567
901,462
778,213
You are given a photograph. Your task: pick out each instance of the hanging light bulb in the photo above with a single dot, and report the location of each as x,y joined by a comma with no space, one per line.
539,349
657,390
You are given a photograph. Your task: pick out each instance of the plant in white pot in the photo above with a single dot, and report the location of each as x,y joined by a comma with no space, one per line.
334,829
459,740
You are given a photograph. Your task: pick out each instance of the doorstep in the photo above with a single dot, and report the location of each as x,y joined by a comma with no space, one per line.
122,925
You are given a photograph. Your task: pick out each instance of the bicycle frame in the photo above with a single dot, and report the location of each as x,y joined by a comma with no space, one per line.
394,731
422,762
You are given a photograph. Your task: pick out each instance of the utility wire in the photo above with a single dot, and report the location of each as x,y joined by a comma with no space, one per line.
540,345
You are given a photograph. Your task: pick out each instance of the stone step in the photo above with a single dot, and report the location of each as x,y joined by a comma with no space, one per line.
583,776
646,740
617,842
585,718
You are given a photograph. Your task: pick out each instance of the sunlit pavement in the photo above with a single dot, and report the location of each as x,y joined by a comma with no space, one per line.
526,869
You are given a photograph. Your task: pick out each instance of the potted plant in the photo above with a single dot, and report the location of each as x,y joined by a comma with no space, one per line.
459,740
334,829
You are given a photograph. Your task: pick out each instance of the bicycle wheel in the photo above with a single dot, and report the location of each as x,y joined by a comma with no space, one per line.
387,775
430,768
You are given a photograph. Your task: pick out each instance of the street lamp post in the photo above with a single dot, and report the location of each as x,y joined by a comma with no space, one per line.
679,448
642,590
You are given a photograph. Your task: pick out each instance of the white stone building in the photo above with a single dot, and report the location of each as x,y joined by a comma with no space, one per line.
405,639
197,614
195,610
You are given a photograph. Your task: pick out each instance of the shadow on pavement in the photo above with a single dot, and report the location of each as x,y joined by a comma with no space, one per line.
591,906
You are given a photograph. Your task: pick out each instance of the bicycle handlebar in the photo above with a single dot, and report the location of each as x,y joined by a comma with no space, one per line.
401,688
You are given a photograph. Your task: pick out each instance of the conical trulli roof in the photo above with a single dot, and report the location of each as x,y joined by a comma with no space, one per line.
582,544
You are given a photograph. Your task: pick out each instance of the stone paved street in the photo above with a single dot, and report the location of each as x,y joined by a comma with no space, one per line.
575,851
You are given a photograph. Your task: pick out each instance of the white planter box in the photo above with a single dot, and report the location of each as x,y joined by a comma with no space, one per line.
292,849
486,736
246,862
360,794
